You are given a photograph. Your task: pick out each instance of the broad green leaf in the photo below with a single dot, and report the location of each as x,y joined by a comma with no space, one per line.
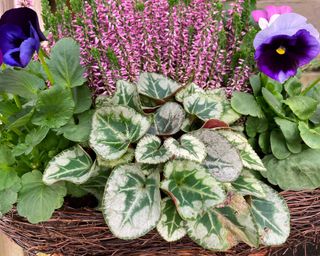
205,106
64,63
171,226
271,215
315,94
278,145
229,116
33,138
191,187
256,125
156,86
188,147
21,119
221,228
223,160
54,107
131,203
8,108
264,142
9,197
151,151
82,98
20,82
249,157
78,131
248,185
168,119
37,201
291,133
245,104
188,91
273,102
71,165
127,95
310,136
6,157
114,128
293,87
297,172
124,159
8,175
302,106
275,88
255,83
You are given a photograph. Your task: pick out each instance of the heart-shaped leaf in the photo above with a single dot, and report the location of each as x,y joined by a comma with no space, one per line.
248,184
150,151
249,157
37,201
223,160
188,147
221,228
205,106
271,215
131,203
9,197
188,91
168,119
114,128
191,187
124,159
156,86
127,95
70,165
171,226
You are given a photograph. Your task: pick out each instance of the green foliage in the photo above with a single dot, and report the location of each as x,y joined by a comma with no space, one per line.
289,123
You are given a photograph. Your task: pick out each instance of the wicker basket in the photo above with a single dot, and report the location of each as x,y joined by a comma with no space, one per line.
79,232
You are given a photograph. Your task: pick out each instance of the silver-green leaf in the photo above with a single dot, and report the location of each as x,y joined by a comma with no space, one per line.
131,203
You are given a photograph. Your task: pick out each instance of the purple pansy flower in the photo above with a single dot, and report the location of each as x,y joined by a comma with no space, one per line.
270,13
20,36
289,43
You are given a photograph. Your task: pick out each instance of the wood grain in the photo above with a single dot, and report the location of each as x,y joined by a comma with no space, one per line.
8,247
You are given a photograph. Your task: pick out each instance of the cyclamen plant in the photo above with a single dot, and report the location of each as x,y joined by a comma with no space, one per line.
206,172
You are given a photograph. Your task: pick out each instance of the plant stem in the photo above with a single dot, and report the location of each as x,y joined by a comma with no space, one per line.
304,92
17,101
45,66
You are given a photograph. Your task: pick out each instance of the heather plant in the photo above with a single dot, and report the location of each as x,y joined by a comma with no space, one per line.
203,41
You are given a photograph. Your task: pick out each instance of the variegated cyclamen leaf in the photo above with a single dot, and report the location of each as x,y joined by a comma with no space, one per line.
205,106
150,151
191,187
127,95
272,217
171,226
229,116
221,228
248,185
124,159
188,147
156,86
72,165
114,129
187,91
249,157
131,203
223,160
168,119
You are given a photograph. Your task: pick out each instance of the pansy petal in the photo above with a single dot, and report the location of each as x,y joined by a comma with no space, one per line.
21,18
271,10
1,58
12,57
257,14
11,37
27,49
34,35
285,9
286,24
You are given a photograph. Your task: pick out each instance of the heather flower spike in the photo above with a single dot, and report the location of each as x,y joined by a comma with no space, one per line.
20,36
267,16
289,43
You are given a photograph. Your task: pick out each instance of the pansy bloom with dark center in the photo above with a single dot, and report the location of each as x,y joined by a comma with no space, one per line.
20,36
289,43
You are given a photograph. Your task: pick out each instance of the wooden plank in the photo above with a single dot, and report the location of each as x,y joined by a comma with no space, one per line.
8,247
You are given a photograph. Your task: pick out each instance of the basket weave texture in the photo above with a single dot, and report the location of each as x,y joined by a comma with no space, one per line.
83,232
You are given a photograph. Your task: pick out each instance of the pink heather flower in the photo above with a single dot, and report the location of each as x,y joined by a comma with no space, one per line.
119,41
270,13
24,3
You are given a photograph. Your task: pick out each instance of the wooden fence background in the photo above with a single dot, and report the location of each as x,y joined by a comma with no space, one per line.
308,8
